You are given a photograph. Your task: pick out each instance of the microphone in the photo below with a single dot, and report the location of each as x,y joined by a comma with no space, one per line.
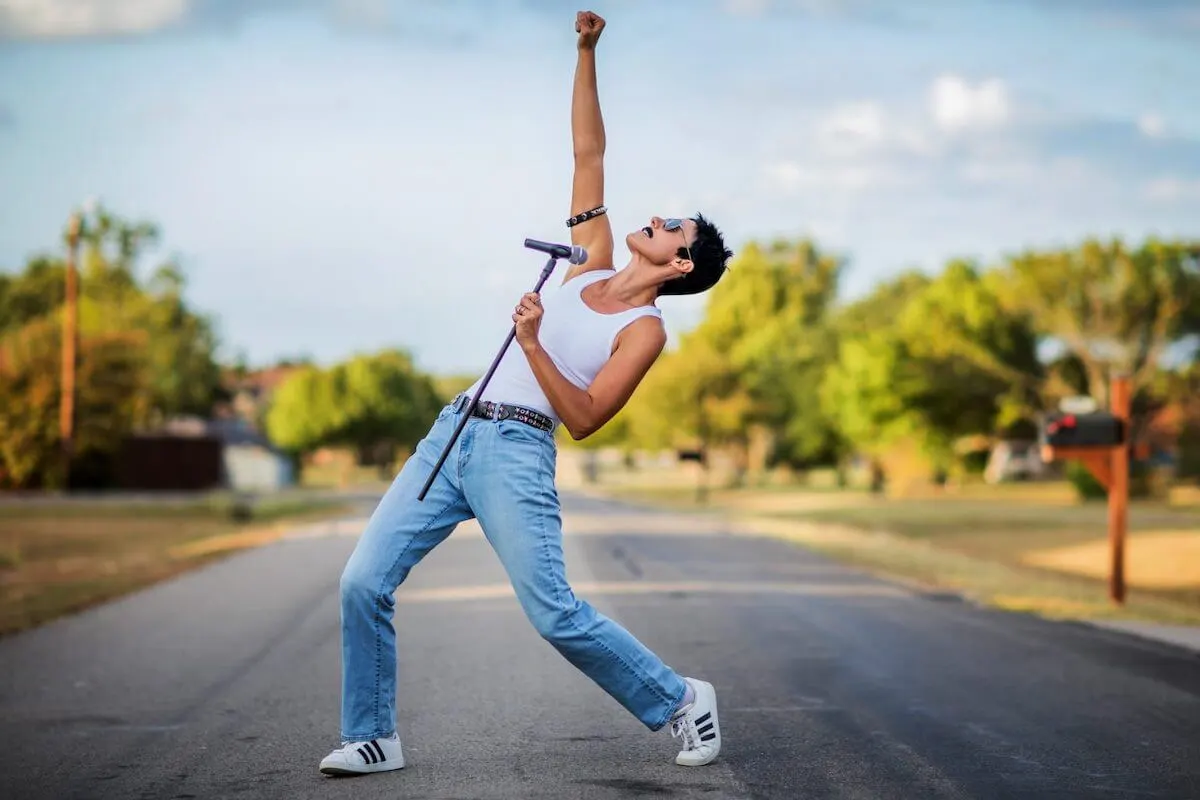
573,253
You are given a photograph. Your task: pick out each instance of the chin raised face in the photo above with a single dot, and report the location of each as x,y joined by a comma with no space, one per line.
659,242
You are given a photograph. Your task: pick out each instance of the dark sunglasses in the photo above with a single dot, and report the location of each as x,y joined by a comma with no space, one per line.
674,224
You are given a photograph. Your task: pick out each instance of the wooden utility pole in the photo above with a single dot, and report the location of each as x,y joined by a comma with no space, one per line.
70,349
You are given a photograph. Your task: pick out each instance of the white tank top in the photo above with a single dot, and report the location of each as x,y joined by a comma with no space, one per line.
578,340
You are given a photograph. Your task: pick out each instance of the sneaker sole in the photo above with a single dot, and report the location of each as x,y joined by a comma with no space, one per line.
337,771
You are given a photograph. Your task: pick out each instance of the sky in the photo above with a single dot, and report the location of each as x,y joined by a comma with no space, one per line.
340,176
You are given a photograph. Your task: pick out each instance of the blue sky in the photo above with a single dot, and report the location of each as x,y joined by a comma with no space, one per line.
343,175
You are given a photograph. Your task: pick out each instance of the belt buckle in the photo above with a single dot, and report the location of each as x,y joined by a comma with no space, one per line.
504,412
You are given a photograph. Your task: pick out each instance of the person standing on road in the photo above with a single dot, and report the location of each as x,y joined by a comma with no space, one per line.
584,348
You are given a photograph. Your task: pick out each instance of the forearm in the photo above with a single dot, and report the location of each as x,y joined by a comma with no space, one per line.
587,123
573,405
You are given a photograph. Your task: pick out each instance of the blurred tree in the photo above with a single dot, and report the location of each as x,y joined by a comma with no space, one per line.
450,386
145,354
31,294
931,360
111,382
784,346
1114,308
303,411
375,404
184,376
753,365
690,398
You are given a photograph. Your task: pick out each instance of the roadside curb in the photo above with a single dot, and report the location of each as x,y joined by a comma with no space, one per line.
1185,638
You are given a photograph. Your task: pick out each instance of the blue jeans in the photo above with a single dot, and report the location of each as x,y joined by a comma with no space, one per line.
501,473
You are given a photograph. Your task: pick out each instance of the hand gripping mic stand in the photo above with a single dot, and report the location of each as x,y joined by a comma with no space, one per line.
577,255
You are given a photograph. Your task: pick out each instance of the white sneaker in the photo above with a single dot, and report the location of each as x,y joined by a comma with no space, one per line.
359,758
698,726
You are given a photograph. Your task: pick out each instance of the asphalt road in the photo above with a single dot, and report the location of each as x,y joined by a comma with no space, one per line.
224,683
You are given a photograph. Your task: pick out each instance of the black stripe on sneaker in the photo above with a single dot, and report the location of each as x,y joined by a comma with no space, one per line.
704,718
368,755
706,728
378,749
707,737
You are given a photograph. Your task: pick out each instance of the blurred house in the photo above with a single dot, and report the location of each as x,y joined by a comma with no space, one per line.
251,463
193,454
1015,460
250,392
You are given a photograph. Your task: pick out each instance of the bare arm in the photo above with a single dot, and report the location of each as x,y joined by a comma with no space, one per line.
588,141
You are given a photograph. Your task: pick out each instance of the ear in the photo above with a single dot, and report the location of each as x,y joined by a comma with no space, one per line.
682,266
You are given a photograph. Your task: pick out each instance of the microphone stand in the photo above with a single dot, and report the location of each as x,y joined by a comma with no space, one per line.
462,423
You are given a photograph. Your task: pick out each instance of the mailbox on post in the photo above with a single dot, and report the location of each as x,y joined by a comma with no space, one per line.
1099,441
1070,431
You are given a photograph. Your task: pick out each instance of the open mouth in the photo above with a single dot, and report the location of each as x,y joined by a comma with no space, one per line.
648,231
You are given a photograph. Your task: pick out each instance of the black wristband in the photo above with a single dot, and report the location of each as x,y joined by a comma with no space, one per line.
586,215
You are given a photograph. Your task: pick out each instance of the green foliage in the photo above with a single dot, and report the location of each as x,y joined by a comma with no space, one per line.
450,386
1086,485
922,364
690,396
931,360
913,368
1114,308
614,434
784,353
145,355
185,377
375,404
110,379
31,295
755,360
302,409
1181,393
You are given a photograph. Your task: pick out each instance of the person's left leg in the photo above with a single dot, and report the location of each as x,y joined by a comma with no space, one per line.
509,484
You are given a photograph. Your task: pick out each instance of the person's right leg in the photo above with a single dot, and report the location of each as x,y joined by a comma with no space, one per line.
510,484
401,531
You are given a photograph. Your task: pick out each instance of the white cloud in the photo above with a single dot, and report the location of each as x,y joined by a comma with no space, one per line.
366,13
52,19
1171,190
858,148
63,19
792,176
1152,125
816,8
1037,175
955,104
747,8
866,130
852,128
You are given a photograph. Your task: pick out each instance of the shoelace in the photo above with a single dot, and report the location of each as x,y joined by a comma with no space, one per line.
350,749
681,727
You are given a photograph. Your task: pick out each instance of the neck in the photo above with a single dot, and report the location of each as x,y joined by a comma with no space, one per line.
636,284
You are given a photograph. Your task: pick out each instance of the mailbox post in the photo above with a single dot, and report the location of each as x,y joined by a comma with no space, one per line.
1100,441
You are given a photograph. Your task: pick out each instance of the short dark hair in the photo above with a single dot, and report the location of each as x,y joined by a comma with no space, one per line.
708,255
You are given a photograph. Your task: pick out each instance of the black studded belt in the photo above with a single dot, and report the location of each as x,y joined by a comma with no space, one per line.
486,409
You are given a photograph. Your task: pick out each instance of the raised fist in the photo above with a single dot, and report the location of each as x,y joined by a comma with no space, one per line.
588,25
